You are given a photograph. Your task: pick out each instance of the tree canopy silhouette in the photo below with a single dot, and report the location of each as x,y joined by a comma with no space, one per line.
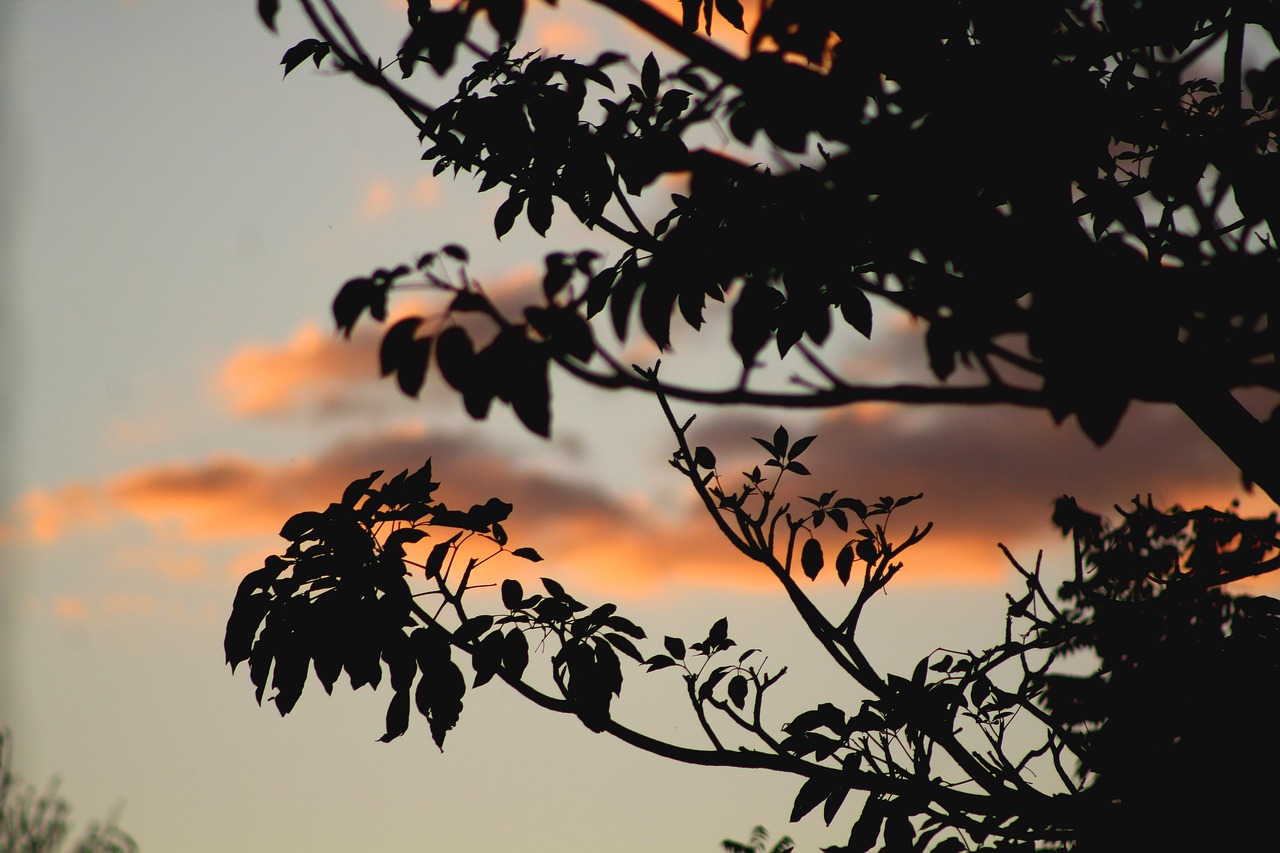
40,823
1074,202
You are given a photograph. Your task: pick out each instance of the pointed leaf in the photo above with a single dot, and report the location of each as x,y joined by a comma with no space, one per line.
812,792
267,11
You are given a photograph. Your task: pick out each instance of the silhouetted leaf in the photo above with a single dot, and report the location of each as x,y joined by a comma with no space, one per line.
649,77
833,804
267,11
812,792
732,12
507,213
540,212
528,554
811,558
358,488
512,594
439,553
302,526
801,445
626,626
302,51
397,539
354,298
675,646
515,652
624,645
866,829
397,717
719,633
856,310
844,563
738,690
472,629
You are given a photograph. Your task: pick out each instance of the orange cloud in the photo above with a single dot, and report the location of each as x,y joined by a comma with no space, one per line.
311,365
322,372
988,476
70,608
379,198
560,34
46,516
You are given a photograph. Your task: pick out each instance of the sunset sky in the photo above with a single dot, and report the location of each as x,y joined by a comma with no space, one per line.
174,222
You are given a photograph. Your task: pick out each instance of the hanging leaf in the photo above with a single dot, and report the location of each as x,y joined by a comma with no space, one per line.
267,11
844,563
811,558
812,792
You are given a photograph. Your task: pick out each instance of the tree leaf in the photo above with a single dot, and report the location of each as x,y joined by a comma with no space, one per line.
528,554
731,10
515,652
812,792
649,77
267,11
302,51
844,563
507,213
435,560
397,716
811,559
512,594
540,212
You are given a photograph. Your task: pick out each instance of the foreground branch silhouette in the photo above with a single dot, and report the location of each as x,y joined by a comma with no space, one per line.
1075,204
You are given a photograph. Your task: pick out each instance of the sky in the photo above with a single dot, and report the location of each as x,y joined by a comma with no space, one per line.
175,221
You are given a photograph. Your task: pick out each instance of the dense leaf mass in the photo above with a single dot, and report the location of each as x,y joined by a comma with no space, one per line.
1075,206
1075,201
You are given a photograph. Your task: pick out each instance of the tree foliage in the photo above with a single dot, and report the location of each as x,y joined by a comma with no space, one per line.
32,822
1074,202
